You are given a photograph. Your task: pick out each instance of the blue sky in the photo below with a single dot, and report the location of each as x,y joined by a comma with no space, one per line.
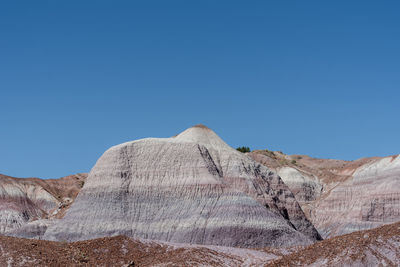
304,77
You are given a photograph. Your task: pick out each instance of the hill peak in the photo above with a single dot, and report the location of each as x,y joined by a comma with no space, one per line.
202,126
201,134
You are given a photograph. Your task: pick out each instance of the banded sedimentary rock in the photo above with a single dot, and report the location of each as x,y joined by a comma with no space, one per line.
339,196
191,188
25,200
305,186
368,199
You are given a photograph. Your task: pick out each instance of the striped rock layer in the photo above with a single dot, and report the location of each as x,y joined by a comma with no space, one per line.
191,188
368,199
340,197
26,201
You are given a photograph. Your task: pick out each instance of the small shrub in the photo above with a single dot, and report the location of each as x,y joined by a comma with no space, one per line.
243,149
283,162
294,162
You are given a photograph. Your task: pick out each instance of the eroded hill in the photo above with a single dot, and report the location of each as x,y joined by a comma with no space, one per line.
339,196
30,204
191,188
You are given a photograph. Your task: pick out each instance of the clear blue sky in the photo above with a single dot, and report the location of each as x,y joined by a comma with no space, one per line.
304,77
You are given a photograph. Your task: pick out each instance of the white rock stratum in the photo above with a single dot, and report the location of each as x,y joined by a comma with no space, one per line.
191,188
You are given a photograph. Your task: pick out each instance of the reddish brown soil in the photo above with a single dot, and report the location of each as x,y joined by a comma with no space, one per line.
350,248
110,251
123,251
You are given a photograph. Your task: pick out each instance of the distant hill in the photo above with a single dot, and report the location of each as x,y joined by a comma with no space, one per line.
29,204
340,196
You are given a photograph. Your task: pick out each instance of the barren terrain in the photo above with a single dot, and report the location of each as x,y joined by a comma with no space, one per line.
380,246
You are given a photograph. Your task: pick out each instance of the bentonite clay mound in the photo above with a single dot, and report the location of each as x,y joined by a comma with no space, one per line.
340,196
191,188
28,204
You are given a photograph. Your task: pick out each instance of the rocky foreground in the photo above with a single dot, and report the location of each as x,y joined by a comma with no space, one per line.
376,247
